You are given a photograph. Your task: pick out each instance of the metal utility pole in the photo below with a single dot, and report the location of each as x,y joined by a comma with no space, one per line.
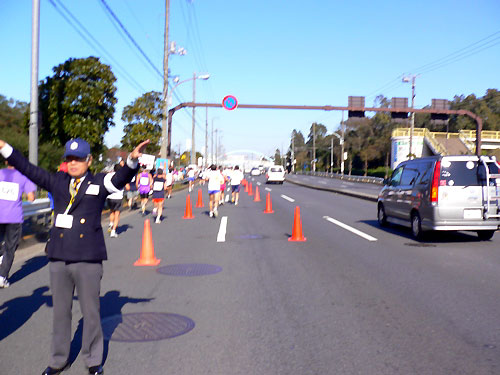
33,129
163,146
314,147
293,153
331,156
216,148
342,144
206,138
193,148
412,118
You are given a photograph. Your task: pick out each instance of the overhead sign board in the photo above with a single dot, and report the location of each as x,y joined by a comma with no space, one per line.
230,102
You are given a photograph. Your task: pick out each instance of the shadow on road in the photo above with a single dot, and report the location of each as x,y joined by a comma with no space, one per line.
428,236
16,312
30,266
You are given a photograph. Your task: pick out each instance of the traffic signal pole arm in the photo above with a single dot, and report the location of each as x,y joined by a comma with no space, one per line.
460,112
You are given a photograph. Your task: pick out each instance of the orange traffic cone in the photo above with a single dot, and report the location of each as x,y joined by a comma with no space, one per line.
200,199
257,195
188,214
269,205
297,227
246,187
250,191
147,257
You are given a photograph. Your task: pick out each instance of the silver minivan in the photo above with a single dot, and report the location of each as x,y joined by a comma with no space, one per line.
445,193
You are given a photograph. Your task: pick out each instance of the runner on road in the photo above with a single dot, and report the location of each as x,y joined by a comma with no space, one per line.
143,183
236,178
215,180
158,194
114,202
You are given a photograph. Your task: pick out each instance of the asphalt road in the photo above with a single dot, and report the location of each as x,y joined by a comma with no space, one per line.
353,299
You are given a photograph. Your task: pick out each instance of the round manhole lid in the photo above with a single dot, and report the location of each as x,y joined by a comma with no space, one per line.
148,326
189,269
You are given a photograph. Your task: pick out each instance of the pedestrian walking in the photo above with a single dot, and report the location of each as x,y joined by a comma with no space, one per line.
159,185
76,247
143,183
236,178
12,187
114,202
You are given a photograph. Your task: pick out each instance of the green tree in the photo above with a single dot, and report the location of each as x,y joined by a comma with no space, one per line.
277,157
143,117
78,101
300,149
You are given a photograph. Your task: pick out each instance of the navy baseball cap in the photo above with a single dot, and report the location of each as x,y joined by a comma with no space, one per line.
76,147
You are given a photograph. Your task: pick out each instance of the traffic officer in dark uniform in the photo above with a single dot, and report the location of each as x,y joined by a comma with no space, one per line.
76,245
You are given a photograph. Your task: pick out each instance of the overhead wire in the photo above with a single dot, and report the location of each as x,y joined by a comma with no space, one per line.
97,45
131,38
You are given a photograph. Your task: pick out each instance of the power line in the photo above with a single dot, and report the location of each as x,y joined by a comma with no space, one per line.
132,39
97,46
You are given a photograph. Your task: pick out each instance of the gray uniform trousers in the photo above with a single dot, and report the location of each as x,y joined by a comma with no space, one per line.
86,278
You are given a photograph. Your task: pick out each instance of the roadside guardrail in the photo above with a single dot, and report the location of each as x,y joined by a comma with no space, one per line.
365,179
40,206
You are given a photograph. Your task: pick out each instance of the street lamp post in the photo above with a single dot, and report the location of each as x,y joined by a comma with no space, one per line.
169,116
212,156
193,148
412,118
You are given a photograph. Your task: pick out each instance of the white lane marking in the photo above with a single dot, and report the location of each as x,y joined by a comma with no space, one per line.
258,183
351,229
221,236
267,189
287,198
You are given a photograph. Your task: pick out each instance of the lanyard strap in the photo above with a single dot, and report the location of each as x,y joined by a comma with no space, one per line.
73,190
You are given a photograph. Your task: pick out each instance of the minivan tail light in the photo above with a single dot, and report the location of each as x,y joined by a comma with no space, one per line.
435,182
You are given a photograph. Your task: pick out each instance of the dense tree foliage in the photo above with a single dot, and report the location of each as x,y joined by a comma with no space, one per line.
78,101
143,121
368,140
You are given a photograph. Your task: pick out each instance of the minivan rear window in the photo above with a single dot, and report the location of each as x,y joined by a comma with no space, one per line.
464,173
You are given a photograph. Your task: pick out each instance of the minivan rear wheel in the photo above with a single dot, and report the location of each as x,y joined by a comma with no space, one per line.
416,226
381,216
485,235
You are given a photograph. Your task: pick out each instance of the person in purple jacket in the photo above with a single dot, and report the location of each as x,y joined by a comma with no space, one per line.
12,187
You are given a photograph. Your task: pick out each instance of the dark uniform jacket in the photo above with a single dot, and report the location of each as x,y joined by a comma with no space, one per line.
84,241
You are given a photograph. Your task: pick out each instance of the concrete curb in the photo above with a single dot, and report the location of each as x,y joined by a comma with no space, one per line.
369,197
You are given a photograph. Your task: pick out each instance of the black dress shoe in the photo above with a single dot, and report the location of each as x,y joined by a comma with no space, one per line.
53,371
96,370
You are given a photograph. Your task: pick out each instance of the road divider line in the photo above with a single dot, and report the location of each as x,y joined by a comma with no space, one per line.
287,198
258,183
268,189
350,229
221,236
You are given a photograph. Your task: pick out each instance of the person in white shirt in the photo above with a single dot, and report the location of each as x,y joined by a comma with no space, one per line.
169,181
114,201
215,180
236,178
191,178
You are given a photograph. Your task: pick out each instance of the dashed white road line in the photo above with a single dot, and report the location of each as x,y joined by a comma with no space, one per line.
267,189
349,228
221,236
258,183
287,198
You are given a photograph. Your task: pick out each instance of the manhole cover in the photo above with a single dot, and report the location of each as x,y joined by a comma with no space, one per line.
189,269
251,237
145,326
416,244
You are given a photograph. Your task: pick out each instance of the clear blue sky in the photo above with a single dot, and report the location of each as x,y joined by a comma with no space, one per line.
266,52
